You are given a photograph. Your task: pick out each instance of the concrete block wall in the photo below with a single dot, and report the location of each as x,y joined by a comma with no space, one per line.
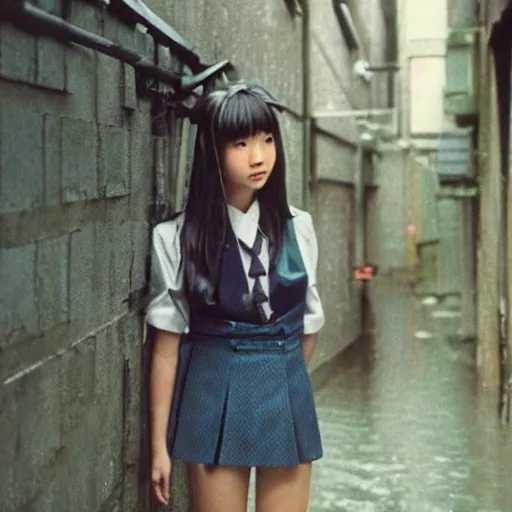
76,164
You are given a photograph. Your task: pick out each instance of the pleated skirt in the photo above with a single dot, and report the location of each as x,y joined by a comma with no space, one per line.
243,396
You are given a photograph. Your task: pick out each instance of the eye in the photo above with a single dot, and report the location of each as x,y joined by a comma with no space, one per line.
269,139
240,144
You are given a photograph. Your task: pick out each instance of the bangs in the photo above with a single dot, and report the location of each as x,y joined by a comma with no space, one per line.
243,115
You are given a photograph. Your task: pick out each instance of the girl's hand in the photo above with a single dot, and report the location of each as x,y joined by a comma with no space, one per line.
160,475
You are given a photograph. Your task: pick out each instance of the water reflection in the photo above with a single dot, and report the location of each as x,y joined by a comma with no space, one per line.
405,426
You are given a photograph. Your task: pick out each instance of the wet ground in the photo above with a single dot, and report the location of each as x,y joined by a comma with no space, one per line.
405,426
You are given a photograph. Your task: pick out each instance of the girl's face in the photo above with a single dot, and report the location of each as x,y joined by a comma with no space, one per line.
248,162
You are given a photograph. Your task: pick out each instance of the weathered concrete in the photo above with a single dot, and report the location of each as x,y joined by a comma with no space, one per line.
75,198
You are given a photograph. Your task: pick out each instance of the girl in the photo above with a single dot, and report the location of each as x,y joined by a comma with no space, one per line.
236,309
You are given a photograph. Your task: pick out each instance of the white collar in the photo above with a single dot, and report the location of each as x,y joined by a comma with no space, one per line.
245,225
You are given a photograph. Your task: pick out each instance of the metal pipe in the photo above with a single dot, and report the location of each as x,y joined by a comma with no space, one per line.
359,208
352,113
26,15
306,101
385,67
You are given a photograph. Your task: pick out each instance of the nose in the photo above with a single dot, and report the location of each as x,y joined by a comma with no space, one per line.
256,155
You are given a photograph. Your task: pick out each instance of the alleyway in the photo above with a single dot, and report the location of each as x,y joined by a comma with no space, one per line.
404,427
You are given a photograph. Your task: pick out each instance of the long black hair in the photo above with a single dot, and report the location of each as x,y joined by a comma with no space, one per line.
222,116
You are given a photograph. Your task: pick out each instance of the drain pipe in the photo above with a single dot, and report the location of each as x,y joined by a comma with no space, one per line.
306,103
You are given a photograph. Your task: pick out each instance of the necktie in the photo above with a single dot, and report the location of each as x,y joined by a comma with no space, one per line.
256,271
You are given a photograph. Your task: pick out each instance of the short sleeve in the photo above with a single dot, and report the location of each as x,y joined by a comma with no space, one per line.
168,309
314,317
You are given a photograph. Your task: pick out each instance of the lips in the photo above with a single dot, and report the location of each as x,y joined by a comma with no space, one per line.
257,175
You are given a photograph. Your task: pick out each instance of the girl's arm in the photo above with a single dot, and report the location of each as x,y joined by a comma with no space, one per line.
307,342
163,374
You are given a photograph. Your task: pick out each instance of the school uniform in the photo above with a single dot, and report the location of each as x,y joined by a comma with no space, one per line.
242,395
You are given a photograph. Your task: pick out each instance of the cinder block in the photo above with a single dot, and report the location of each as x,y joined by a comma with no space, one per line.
39,429
51,64
113,161
81,82
21,166
77,384
121,263
109,393
18,310
52,281
86,15
144,44
79,161
164,56
132,340
108,461
123,35
103,236
82,303
129,96
140,236
17,54
109,91
109,364
81,63
117,32
75,478
141,162
52,160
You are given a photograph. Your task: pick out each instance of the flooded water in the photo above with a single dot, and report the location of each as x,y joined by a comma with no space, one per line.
405,426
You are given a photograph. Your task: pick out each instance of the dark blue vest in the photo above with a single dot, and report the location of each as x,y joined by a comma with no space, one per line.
287,284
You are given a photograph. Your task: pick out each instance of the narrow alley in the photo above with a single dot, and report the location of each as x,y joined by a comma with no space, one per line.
405,426
391,124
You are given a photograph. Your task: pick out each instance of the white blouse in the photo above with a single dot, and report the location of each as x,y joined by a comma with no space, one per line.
170,313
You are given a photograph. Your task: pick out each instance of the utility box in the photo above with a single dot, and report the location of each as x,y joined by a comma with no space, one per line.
460,96
455,160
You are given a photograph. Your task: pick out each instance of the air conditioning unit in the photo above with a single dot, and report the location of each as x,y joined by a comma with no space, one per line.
460,98
455,158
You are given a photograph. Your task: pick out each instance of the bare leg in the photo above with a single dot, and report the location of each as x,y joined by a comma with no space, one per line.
219,488
283,489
